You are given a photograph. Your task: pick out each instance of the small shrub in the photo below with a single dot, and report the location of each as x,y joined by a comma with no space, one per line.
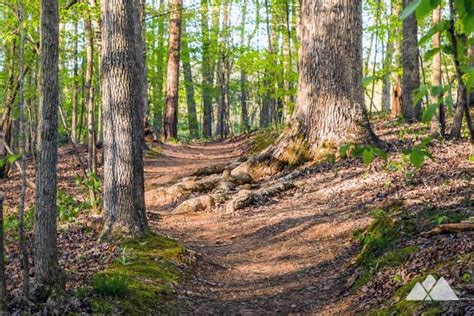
377,237
114,286
68,207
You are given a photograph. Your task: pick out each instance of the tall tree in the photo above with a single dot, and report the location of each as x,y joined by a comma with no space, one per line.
244,97
189,86
437,123
47,271
89,100
75,88
330,104
160,64
411,67
207,79
170,124
124,207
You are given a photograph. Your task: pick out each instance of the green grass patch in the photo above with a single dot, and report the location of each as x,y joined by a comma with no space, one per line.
377,246
136,283
263,139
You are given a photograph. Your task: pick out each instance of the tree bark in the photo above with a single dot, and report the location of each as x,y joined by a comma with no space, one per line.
75,86
437,123
3,284
411,67
462,108
330,105
189,86
207,80
160,71
48,274
170,124
124,207
89,99
244,116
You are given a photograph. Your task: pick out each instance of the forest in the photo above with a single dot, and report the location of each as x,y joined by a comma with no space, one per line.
237,157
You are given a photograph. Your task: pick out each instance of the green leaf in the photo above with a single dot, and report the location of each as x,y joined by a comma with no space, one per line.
438,28
410,9
368,156
424,9
468,22
471,158
419,94
343,150
429,112
368,80
417,157
437,91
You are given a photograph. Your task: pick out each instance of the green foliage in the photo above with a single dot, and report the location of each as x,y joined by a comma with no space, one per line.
110,286
263,139
376,237
9,159
91,184
368,153
68,207
418,154
11,222
144,271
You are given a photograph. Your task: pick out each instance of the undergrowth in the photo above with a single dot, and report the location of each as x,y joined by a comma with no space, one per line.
138,280
263,139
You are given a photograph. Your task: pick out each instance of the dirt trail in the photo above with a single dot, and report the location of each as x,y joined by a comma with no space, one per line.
290,255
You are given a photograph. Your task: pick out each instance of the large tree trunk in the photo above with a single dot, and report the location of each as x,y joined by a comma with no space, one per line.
437,123
124,207
330,105
411,67
47,270
170,124
160,71
207,80
189,86
141,52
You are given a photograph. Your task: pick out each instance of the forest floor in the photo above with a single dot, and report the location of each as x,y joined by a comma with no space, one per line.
297,252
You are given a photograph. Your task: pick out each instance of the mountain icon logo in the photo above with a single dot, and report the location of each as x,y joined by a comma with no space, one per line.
432,290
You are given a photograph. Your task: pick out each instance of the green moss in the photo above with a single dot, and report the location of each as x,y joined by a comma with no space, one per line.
148,268
154,152
262,140
377,245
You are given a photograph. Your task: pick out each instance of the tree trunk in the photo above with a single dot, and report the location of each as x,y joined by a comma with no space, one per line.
462,108
244,115
330,105
437,123
189,85
470,55
141,52
160,71
3,284
75,87
207,80
411,67
47,271
124,207
89,99
223,67
170,125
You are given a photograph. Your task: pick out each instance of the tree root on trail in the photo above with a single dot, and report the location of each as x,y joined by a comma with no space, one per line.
449,228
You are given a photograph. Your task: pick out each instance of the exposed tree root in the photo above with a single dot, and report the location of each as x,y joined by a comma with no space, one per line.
449,228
